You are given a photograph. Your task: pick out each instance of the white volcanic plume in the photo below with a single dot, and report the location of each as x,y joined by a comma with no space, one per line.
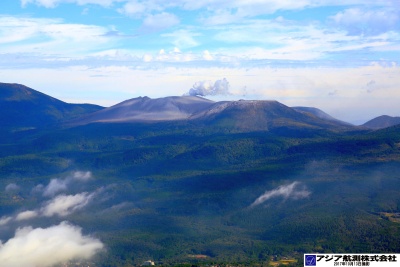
204,88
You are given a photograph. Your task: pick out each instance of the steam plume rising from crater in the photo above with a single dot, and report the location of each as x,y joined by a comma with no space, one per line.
204,88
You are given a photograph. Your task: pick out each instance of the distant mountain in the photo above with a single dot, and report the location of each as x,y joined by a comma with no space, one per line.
242,115
22,107
147,109
263,115
382,122
320,114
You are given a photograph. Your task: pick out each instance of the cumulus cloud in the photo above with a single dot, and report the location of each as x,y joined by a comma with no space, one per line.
38,189
4,220
82,176
368,22
291,191
55,186
12,187
26,215
47,246
159,22
59,185
204,88
64,205
61,206
183,38
54,3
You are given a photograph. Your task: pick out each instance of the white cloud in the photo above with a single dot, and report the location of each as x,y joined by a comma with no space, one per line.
26,215
159,22
61,206
54,3
47,246
12,187
82,176
50,36
183,38
147,58
54,187
291,191
134,8
367,22
249,7
204,88
4,220
38,189
207,55
59,185
224,12
64,205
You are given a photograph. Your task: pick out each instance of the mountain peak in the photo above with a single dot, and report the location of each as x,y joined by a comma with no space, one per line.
147,109
18,92
24,107
381,122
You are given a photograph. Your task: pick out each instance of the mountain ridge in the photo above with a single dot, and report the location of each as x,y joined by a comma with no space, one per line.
147,109
25,107
21,106
320,114
239,116
381,122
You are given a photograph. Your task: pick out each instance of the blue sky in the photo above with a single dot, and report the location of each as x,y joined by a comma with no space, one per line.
340,56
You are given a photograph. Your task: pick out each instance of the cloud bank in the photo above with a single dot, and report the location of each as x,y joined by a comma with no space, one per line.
47,246
12,187
4,220
55,186
26,215
64,205
59,185
204,88
291,191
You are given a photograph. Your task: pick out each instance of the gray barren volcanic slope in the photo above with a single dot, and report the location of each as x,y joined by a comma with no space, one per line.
147,109
242,115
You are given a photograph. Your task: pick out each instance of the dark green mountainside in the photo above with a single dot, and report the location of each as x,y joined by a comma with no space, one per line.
23,108
239,182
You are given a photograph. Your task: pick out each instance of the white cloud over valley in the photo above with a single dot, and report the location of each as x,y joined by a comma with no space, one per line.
47,246
57,244
292,191
26,215
64,205
57,185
